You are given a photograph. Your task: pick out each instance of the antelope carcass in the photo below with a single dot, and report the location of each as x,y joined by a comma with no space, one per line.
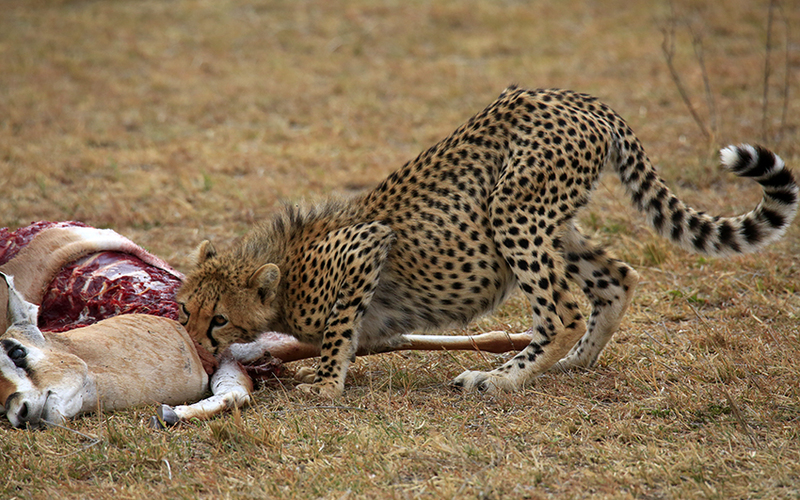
117,363
82,361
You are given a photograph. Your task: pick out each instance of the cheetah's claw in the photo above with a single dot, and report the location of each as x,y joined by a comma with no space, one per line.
322,389
488,382
306,374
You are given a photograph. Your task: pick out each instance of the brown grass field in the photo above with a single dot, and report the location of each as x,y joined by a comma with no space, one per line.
175,121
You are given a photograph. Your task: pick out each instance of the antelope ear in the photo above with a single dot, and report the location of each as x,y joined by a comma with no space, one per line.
20,311
204,252
265,280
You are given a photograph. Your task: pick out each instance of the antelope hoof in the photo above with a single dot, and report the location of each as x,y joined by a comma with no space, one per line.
156,424
166,416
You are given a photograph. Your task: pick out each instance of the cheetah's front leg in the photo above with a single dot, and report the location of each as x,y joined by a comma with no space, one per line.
360,253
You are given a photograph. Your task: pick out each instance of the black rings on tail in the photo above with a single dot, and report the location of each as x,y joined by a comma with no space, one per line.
712,235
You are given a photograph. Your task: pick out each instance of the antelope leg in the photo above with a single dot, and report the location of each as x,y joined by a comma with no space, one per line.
230,387
287,348
494,342
278,345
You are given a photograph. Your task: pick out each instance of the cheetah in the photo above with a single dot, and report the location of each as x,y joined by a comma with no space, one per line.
448,236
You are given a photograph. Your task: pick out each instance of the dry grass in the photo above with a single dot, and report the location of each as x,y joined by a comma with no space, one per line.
175,121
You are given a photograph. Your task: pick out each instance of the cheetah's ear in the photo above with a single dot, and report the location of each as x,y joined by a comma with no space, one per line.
265,280
204,252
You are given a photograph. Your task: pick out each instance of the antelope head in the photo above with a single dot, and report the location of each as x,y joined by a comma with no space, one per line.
39,380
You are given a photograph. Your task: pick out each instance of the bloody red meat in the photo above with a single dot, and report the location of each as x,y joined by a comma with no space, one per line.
103,285
98,286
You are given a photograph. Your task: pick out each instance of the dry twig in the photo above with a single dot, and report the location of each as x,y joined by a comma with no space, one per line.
668,49
773,5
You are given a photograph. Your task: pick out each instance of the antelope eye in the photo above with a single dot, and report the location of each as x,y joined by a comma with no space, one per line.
219,320
17,355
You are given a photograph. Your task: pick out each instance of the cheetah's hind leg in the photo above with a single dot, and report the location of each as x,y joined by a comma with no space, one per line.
608,284
538,265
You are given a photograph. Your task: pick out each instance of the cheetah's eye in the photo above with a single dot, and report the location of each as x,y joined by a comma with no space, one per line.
219,320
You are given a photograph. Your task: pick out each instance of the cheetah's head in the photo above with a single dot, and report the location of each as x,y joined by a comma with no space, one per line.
225,300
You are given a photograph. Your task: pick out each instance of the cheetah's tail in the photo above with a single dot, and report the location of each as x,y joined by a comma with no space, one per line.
712,235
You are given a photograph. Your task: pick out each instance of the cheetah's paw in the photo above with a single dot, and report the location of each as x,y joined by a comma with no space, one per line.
305,374
489,382
327,390
579,361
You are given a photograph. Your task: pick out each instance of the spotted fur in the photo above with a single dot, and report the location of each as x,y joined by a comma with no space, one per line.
446,237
